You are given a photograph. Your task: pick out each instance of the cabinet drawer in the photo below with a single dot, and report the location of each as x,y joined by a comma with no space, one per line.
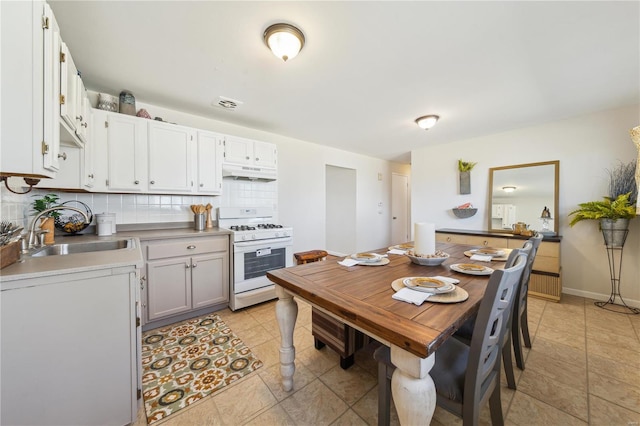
186,247
451,238
488,241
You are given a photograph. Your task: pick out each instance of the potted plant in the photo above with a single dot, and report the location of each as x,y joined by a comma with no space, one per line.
465,167
48,220
613,213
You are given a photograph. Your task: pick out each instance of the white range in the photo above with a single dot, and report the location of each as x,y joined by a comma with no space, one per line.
259,246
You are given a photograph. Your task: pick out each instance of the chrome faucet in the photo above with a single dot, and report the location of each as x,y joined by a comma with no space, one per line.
32,239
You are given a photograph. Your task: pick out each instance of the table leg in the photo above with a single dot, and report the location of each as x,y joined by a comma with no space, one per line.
286,314
413,390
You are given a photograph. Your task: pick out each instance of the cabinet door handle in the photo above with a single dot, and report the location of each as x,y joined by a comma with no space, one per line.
137,182
187,266
191,247
79,117
448,239
91,175
194,265
201,185
152,182
63,156
485,242
246,158
84,125
257,158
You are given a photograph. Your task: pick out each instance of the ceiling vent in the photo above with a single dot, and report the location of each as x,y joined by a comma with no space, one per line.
227,103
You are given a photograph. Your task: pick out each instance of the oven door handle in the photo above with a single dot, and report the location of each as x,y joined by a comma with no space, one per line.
272,243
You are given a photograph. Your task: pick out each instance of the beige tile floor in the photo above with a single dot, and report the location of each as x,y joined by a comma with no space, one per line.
583,368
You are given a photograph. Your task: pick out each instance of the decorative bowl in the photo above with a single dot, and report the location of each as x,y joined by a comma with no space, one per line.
429,261
74,222
464,213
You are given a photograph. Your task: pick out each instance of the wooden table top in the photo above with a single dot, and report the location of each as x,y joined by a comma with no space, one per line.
361,296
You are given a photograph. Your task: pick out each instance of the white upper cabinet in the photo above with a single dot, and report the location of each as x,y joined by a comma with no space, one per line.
209,154
51,90
127,152
265,154
170,160
68,88
29,130
248,152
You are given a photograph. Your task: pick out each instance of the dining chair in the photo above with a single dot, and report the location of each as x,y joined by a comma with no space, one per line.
520,322
467,376
465,332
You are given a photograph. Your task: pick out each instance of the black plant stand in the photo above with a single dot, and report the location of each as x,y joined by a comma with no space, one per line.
614,253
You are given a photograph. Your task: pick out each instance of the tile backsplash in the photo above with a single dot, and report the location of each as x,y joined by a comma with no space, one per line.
145,208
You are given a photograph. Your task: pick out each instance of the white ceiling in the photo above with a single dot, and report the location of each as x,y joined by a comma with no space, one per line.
368,69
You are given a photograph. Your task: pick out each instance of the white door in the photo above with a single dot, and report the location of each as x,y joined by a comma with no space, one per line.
341,210
238,150
265,154
209,163
400,229
127,146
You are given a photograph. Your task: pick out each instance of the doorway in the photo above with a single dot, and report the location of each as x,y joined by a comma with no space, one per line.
340,190
400,229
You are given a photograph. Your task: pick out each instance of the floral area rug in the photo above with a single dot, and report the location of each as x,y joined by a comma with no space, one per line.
184,362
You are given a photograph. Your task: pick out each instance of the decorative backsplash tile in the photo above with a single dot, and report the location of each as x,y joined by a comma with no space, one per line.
145,208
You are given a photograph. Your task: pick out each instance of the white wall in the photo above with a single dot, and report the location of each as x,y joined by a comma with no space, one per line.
586,146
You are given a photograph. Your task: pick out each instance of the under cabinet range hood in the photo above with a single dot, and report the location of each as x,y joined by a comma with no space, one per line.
236,171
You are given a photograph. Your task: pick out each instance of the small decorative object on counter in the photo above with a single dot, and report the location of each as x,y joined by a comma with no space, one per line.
73,223
107,102
127,103
209,221
545,213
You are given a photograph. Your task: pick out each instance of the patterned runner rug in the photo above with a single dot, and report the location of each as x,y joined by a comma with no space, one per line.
184,362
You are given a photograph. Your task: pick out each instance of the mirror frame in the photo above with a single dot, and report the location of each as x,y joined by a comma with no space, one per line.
554,215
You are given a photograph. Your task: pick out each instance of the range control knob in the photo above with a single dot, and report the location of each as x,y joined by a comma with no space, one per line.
253,236
244,237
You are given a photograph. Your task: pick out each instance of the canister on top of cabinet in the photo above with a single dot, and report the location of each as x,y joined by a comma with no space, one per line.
127,103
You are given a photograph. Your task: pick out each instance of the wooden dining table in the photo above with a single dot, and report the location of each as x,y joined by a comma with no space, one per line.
361,296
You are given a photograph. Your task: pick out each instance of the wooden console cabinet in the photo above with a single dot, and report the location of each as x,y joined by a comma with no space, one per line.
546,276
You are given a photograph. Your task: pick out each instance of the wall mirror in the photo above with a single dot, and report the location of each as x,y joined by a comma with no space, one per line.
520,193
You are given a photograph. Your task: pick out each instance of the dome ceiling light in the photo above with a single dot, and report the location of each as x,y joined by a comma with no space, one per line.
284,40
428,121
508,188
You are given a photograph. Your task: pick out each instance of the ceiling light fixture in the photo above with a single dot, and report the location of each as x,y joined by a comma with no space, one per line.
284,40
428,121
508,188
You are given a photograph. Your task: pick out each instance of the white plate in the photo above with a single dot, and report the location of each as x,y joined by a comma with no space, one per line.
488,252
471,269
428,285
367,257
381,262
404,247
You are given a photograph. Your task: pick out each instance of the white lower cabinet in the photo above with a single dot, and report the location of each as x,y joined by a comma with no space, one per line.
69,349
185,274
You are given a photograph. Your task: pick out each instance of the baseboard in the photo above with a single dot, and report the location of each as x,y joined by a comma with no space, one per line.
599,296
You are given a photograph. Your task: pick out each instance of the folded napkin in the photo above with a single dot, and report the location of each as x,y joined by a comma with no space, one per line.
447,279
411,296
348,262
481,258
397,251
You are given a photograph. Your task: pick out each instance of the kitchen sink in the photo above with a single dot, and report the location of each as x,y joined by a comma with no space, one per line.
62,249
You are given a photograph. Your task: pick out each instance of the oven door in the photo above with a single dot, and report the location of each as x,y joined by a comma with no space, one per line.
253,259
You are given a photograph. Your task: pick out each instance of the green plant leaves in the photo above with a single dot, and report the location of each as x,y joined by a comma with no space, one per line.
608,208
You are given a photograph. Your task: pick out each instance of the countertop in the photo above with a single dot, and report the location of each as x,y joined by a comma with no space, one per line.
554,238
38,267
